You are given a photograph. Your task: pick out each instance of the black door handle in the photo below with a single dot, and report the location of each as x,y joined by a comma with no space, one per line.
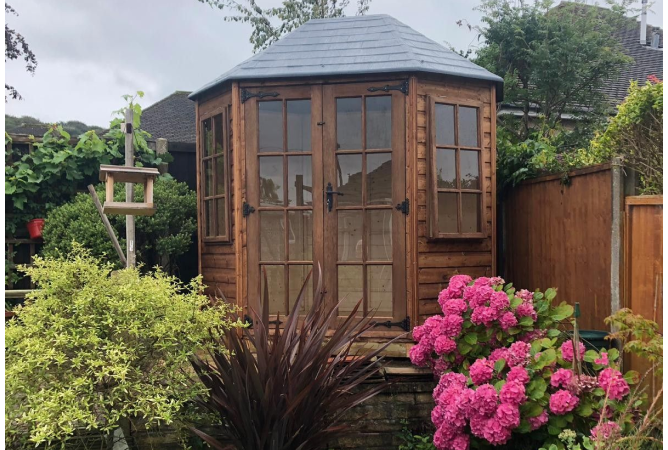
329,192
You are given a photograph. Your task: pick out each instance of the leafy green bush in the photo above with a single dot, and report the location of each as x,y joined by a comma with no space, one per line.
92,346
160,238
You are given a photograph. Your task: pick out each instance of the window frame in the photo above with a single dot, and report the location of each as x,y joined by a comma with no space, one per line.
224,112
433,189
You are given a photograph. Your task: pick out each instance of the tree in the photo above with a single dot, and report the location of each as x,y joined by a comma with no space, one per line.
555,60
16,47
291,14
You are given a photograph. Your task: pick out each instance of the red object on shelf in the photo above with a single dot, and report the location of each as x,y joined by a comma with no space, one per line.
9,314
35,227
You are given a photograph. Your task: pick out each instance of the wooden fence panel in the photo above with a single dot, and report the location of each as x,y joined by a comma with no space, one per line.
559,235
643,266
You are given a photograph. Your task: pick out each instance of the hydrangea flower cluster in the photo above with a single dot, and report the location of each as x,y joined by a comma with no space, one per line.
613,383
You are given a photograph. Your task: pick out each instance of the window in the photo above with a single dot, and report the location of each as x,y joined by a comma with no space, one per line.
214,145
456,195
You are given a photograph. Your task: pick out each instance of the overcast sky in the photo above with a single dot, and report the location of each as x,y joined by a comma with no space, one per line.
91,52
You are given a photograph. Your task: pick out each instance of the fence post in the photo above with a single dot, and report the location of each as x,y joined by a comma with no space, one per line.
617,245
161,149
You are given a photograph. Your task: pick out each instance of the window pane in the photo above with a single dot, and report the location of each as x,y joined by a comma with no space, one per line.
379,238
218,133
470,213
379,122
272,236
208,178
445,124
469,169
350,235
349,179
299,125
350,279
207,137
300,235
446,169
447,212
271,126
468,126
220,175
221,215
379,283
209,219
300,181
275,287
349,123
379,178
271,181
297,275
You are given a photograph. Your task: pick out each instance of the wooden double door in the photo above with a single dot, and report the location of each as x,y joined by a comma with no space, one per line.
326,179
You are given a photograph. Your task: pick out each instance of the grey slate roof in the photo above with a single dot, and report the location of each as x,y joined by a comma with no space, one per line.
172,118
351,46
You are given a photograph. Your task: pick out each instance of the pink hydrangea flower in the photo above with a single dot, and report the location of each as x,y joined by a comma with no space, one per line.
518,354
562,377
613,383
567,351
499,353
481,295
437,416
439,366
419,332
484,315
499,301
533,335
526,310
497,281
603,360
507,320
518,373
419,355
455,306
481,371
538,421
443,435
605,431
525,295
460,442
508,415
444,345
513,392
495,433
485,399
446,380
451,325
562,402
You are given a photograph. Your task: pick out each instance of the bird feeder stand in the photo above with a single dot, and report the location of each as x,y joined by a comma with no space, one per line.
125,174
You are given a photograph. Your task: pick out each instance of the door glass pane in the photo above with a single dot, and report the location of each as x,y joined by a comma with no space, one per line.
299,125
208,178
221,213
446,169
379,178
209,218
379,234
379,122
350,279
276,288
207,137
272,236
349,123
297,275
445,124
447,212
218,133
300,181
349,179
300,235
379,283
470,213
469,169
271,126
220,175
350,235
271,181
468,126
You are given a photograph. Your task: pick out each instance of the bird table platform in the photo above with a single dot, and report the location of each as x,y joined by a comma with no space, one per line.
125,174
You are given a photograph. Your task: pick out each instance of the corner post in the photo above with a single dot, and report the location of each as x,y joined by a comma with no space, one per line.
129,162
617,245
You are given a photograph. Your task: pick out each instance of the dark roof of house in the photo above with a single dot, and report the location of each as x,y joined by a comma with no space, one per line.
646,61
172,118
351,46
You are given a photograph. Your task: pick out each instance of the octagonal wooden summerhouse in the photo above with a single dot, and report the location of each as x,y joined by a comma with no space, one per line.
357,145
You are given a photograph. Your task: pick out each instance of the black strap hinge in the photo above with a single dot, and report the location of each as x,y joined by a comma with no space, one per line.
403,324
404,207
245,95
402,87
247,209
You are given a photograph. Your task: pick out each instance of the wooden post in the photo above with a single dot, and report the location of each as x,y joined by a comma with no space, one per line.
617,246
161,149
129,162
107,225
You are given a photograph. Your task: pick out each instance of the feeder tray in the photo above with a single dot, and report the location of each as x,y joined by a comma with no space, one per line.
125,174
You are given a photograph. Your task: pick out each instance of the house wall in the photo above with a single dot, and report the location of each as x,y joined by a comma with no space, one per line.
217,259
438,260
